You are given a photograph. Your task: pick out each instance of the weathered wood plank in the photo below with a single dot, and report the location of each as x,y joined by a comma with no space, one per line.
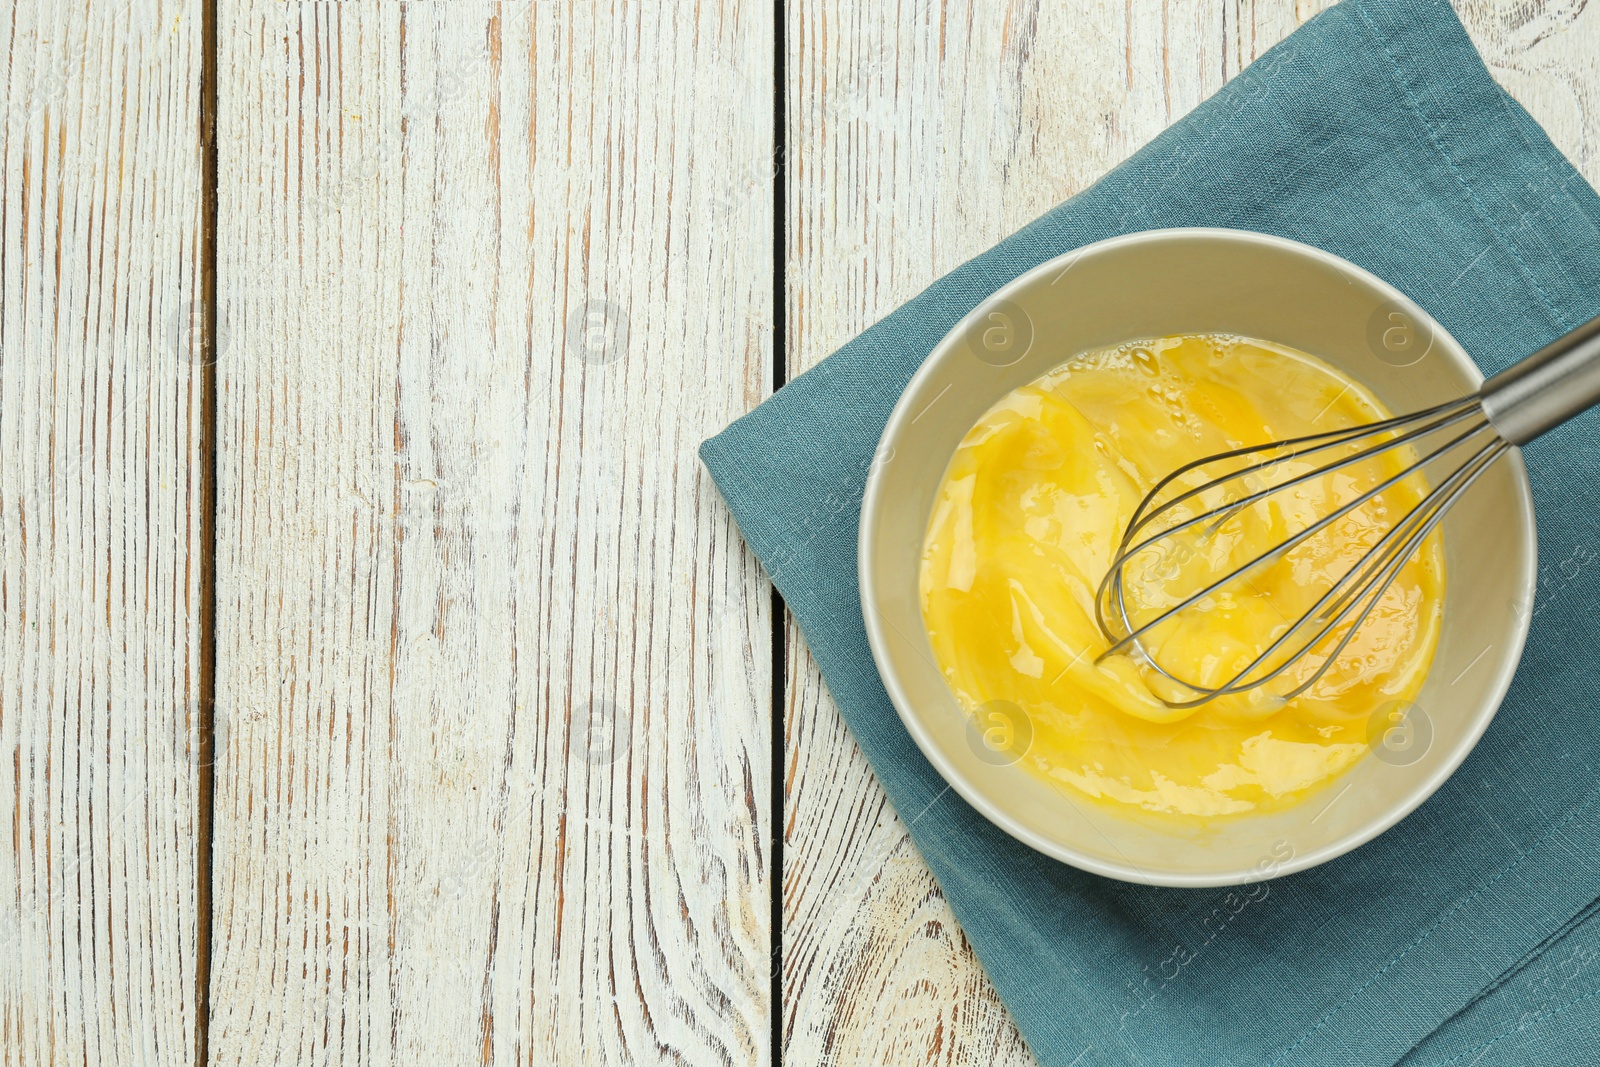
1547,54
102,459
494,664
920,135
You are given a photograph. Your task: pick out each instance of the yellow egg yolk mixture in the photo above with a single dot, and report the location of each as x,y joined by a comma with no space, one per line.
1027,521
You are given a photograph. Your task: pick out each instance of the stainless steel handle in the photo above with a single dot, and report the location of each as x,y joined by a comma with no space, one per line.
1557,382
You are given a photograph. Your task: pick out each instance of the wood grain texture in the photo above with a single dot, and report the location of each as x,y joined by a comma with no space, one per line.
101,458
1547,54
921,134
493,663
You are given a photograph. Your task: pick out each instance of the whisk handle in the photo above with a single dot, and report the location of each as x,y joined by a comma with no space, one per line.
1557,382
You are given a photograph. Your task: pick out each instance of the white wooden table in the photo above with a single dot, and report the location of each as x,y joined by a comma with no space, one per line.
383,681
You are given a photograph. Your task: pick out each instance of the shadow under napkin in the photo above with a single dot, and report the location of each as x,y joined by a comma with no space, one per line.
1374,132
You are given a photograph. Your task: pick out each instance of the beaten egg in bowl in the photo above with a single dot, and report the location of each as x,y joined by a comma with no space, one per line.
1030,514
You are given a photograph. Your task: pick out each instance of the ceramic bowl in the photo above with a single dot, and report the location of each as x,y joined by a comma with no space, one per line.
1198,281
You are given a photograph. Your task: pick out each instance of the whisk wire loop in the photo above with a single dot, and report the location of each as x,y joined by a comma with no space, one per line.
1354,433
1332,439
1363,584
1379,568
1515,406
1476,466
1113,577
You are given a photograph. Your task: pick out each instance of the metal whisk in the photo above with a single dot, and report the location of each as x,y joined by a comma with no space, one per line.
1511,409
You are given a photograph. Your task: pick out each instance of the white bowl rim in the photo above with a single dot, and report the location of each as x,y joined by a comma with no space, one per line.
995,812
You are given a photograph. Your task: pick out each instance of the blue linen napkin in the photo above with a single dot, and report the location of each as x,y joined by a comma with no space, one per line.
1462,936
